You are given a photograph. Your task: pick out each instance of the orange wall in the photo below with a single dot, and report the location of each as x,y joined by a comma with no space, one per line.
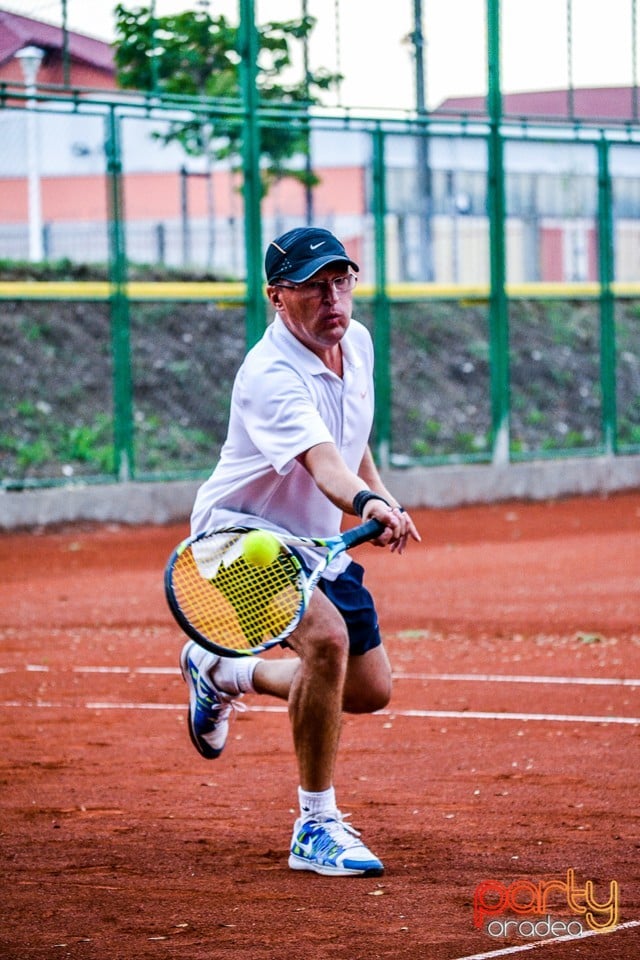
551,241
340,191
158,197
51,71
13,201
83,198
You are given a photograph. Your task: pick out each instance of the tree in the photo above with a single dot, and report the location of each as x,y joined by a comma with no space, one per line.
194,54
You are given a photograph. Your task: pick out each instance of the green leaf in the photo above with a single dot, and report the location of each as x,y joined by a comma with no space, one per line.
193,54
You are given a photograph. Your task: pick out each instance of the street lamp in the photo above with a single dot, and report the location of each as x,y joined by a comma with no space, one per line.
30,59
424,179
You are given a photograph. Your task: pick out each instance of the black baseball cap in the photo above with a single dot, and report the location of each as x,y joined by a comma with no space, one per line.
301,252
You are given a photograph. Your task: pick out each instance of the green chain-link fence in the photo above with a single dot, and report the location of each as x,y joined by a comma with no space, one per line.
504,302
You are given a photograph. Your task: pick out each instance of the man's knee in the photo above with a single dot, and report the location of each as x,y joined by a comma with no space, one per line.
328,651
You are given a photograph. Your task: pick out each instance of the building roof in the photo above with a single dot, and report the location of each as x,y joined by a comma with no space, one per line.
17,32
581,103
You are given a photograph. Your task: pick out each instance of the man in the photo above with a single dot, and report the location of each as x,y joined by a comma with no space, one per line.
296,458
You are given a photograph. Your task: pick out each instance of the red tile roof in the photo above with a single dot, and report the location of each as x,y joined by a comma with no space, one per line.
17,32
589,103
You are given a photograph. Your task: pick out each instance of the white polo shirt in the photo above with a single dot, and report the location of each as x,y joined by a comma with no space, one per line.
284,401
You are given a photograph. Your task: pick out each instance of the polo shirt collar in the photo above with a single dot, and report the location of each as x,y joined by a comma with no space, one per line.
313,363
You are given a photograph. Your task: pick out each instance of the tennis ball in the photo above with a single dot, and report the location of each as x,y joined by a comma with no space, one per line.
260,548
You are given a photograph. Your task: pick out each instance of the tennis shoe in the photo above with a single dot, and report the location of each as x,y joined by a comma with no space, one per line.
209,707
326,844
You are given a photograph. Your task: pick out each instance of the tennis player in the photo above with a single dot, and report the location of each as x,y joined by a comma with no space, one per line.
296,458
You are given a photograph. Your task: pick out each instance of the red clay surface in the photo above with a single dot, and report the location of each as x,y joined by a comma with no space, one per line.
119,841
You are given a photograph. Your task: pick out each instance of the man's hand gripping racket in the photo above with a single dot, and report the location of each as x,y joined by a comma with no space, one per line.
235,608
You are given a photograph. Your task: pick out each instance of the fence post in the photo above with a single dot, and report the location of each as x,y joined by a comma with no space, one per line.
248,49
607,303
381,320
119,308
498,303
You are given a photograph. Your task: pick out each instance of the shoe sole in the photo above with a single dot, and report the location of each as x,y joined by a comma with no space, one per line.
207,752
299,863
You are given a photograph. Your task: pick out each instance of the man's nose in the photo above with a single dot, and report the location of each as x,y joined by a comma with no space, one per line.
330,293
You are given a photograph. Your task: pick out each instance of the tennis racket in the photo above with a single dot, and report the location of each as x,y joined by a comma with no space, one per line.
234,608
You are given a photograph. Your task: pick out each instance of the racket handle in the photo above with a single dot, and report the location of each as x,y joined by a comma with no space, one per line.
366,531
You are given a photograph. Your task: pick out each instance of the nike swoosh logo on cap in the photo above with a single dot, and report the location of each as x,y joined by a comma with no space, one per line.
314,246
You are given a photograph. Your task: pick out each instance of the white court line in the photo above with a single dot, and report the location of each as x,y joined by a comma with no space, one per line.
482,715
420,714
149,671
446,677
503,678
537,944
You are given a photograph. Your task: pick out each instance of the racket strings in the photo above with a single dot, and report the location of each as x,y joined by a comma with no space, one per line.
241,606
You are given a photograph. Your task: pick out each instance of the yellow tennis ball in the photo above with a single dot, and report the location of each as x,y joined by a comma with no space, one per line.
260,548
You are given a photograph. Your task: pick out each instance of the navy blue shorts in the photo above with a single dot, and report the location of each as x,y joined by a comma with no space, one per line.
355,603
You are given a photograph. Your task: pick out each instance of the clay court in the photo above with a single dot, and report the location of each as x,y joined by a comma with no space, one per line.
509,753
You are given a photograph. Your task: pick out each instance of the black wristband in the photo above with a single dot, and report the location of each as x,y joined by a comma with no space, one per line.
363,497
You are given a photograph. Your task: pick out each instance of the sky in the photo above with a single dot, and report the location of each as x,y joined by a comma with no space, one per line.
367,44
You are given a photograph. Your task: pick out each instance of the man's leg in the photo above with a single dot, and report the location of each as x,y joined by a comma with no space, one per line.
368,683
322,841
312,683
318,684
316,691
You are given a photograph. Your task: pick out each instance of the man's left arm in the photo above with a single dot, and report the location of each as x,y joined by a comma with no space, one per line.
370,476
349,490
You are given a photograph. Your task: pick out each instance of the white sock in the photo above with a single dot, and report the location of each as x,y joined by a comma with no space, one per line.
234,675
311,804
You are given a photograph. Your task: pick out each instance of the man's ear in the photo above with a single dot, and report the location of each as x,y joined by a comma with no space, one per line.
273,293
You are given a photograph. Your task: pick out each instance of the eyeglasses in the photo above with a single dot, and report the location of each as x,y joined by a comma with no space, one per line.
319,288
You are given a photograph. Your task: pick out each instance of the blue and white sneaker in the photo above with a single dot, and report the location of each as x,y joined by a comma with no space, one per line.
209,708
326,844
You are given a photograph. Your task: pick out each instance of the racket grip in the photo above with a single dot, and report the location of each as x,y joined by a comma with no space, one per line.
366,531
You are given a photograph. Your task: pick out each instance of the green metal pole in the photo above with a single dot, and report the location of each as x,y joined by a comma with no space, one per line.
119,309
498,303
154,59
308,165
607,302
635,110
381,313
248,50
